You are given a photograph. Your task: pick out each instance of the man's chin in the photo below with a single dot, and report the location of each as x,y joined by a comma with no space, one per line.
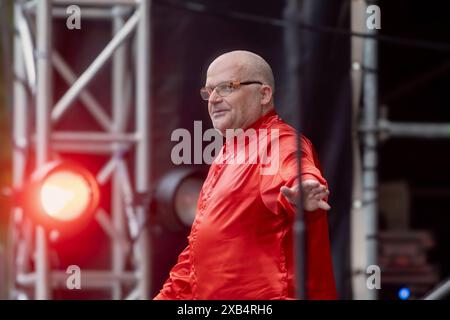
221,127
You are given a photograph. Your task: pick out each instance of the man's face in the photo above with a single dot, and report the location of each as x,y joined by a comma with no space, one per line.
240,108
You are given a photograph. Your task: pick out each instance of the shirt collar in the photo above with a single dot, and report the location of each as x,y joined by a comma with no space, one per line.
263,119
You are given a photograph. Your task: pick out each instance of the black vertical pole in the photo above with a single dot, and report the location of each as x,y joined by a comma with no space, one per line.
292,39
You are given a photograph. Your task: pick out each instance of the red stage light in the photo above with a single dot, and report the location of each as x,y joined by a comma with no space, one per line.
61,195
65,195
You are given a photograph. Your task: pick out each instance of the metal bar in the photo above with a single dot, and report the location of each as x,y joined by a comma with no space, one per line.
142,165
43,103
96,2
127,193
92,105
415,130
20,113
20,142
25,246
68,136
64,103
116,235
27,52
440,292
133,295
26,278
87,12
370,156
293,56
44,87
119,81
126,184
29,5
89,148
13,243
90,279
42,289
118,253
108,169
357,240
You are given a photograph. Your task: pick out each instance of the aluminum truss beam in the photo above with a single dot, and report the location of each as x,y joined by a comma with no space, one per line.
114,139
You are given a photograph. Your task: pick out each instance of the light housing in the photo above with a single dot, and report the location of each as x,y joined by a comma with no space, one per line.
177,197
61,195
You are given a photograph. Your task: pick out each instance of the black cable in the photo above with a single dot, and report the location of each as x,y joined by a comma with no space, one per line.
202,9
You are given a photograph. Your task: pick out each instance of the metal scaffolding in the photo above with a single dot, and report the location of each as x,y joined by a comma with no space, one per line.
125,225
370,126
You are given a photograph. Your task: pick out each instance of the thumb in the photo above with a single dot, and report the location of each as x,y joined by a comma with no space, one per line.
286,191
323,205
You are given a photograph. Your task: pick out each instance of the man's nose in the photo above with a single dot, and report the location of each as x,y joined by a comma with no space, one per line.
214,97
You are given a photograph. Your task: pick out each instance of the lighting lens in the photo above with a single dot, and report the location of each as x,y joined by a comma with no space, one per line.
65,195
186,200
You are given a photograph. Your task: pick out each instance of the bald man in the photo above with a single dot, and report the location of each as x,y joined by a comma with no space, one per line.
241,242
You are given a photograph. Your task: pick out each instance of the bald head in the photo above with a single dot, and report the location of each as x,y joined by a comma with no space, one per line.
239,106
250,65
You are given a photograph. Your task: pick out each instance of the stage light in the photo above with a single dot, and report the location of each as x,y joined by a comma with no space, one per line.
404,293
62,196
177,196
65,195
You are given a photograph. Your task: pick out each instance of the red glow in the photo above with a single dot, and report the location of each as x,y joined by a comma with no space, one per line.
61,195
65,195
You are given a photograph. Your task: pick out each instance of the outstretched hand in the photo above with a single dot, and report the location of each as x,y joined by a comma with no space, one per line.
314,194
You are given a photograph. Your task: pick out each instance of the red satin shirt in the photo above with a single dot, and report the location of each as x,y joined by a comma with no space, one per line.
241,242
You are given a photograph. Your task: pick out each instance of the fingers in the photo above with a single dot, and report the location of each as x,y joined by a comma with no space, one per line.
323,205
316,190
308,185
294,188
314,193
287,192
314,197
318,193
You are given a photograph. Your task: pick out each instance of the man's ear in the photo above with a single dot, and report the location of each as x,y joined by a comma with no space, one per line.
266,94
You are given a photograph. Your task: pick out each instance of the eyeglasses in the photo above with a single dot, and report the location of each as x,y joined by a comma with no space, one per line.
224,89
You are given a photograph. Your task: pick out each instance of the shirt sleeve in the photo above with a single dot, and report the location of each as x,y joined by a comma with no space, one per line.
320,284
178,286
319,268
287,173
